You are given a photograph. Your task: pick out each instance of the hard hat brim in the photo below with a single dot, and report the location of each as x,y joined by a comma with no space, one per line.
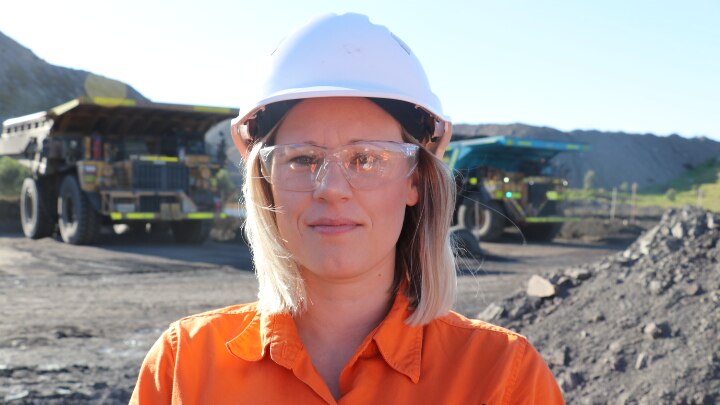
242,138
334,91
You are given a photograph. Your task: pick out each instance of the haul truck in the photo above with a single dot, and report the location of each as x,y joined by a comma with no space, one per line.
505,180
96,161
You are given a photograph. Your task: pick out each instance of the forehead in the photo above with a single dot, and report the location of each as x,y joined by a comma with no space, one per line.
337,120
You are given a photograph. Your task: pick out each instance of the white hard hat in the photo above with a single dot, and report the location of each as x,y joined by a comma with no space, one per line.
345,56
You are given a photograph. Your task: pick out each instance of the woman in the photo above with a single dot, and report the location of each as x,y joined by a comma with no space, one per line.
349,206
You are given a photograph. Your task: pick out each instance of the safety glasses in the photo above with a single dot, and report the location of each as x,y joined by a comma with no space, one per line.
365,165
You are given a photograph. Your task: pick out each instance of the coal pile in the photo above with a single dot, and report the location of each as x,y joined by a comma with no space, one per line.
639,327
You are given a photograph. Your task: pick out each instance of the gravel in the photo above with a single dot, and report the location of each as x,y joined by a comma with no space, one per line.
638,327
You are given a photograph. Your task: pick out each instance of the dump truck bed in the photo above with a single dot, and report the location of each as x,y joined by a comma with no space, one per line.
121,117
505,152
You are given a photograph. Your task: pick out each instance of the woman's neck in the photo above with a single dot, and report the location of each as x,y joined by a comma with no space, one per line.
338,317
343,311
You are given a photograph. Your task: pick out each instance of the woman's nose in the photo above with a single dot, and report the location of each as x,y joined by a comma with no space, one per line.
332,182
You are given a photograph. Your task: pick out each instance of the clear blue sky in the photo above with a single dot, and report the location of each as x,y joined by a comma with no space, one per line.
637,66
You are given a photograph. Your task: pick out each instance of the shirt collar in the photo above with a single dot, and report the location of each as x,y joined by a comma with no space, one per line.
399,344
274,331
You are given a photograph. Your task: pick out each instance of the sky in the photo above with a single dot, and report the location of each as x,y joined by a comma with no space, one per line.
638,66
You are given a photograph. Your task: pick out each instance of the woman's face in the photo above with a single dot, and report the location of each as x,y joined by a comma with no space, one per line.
336,232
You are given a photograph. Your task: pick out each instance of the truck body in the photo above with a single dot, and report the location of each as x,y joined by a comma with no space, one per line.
509,181
97,161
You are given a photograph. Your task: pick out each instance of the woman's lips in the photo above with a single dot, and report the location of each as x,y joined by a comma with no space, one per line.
333,226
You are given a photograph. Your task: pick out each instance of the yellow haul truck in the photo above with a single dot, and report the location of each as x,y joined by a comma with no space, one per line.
98,161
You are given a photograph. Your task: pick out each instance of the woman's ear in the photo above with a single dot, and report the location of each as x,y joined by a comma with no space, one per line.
413,194
242,145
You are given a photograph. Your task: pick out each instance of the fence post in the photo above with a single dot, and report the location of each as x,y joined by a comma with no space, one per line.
699,197
632,202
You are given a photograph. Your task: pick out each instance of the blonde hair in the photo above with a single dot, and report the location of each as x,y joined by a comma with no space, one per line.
425,264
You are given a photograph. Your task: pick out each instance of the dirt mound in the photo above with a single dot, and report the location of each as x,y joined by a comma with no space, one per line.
637,327
596,230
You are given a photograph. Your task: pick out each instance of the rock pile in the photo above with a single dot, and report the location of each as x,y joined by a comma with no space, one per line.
639,327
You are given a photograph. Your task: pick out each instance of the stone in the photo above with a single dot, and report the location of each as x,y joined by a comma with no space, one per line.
596,317
641,361
615,362
558,357
564,282
655,330
491,312
678,230
540,287
569,380
655,287
692,289
63,391
578,273
712,223
17,395
51,368
520,308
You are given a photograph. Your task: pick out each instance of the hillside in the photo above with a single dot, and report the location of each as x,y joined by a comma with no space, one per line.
28,84
616,157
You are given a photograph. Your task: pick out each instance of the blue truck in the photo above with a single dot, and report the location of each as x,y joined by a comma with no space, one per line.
504,181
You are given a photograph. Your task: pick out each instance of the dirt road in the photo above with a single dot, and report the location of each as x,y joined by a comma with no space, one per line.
77,320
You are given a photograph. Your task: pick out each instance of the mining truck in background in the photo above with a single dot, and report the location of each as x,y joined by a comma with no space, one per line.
96,161
509,181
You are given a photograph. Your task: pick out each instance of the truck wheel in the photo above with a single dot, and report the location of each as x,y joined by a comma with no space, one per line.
78,221
37,222
191,232
137,228
465,243
541,232
483,219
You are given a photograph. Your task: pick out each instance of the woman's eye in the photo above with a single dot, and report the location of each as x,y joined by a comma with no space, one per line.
302,161
364,160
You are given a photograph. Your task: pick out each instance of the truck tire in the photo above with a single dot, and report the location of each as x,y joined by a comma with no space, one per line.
482,218
541,232
37,222
191,232
465,243
78,221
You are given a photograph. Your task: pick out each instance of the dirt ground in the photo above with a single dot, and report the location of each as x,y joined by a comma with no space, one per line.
78,320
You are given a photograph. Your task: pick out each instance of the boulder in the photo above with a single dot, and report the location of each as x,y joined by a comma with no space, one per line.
540,287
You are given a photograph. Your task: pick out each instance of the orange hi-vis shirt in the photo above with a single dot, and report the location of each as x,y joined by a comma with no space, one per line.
238,355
